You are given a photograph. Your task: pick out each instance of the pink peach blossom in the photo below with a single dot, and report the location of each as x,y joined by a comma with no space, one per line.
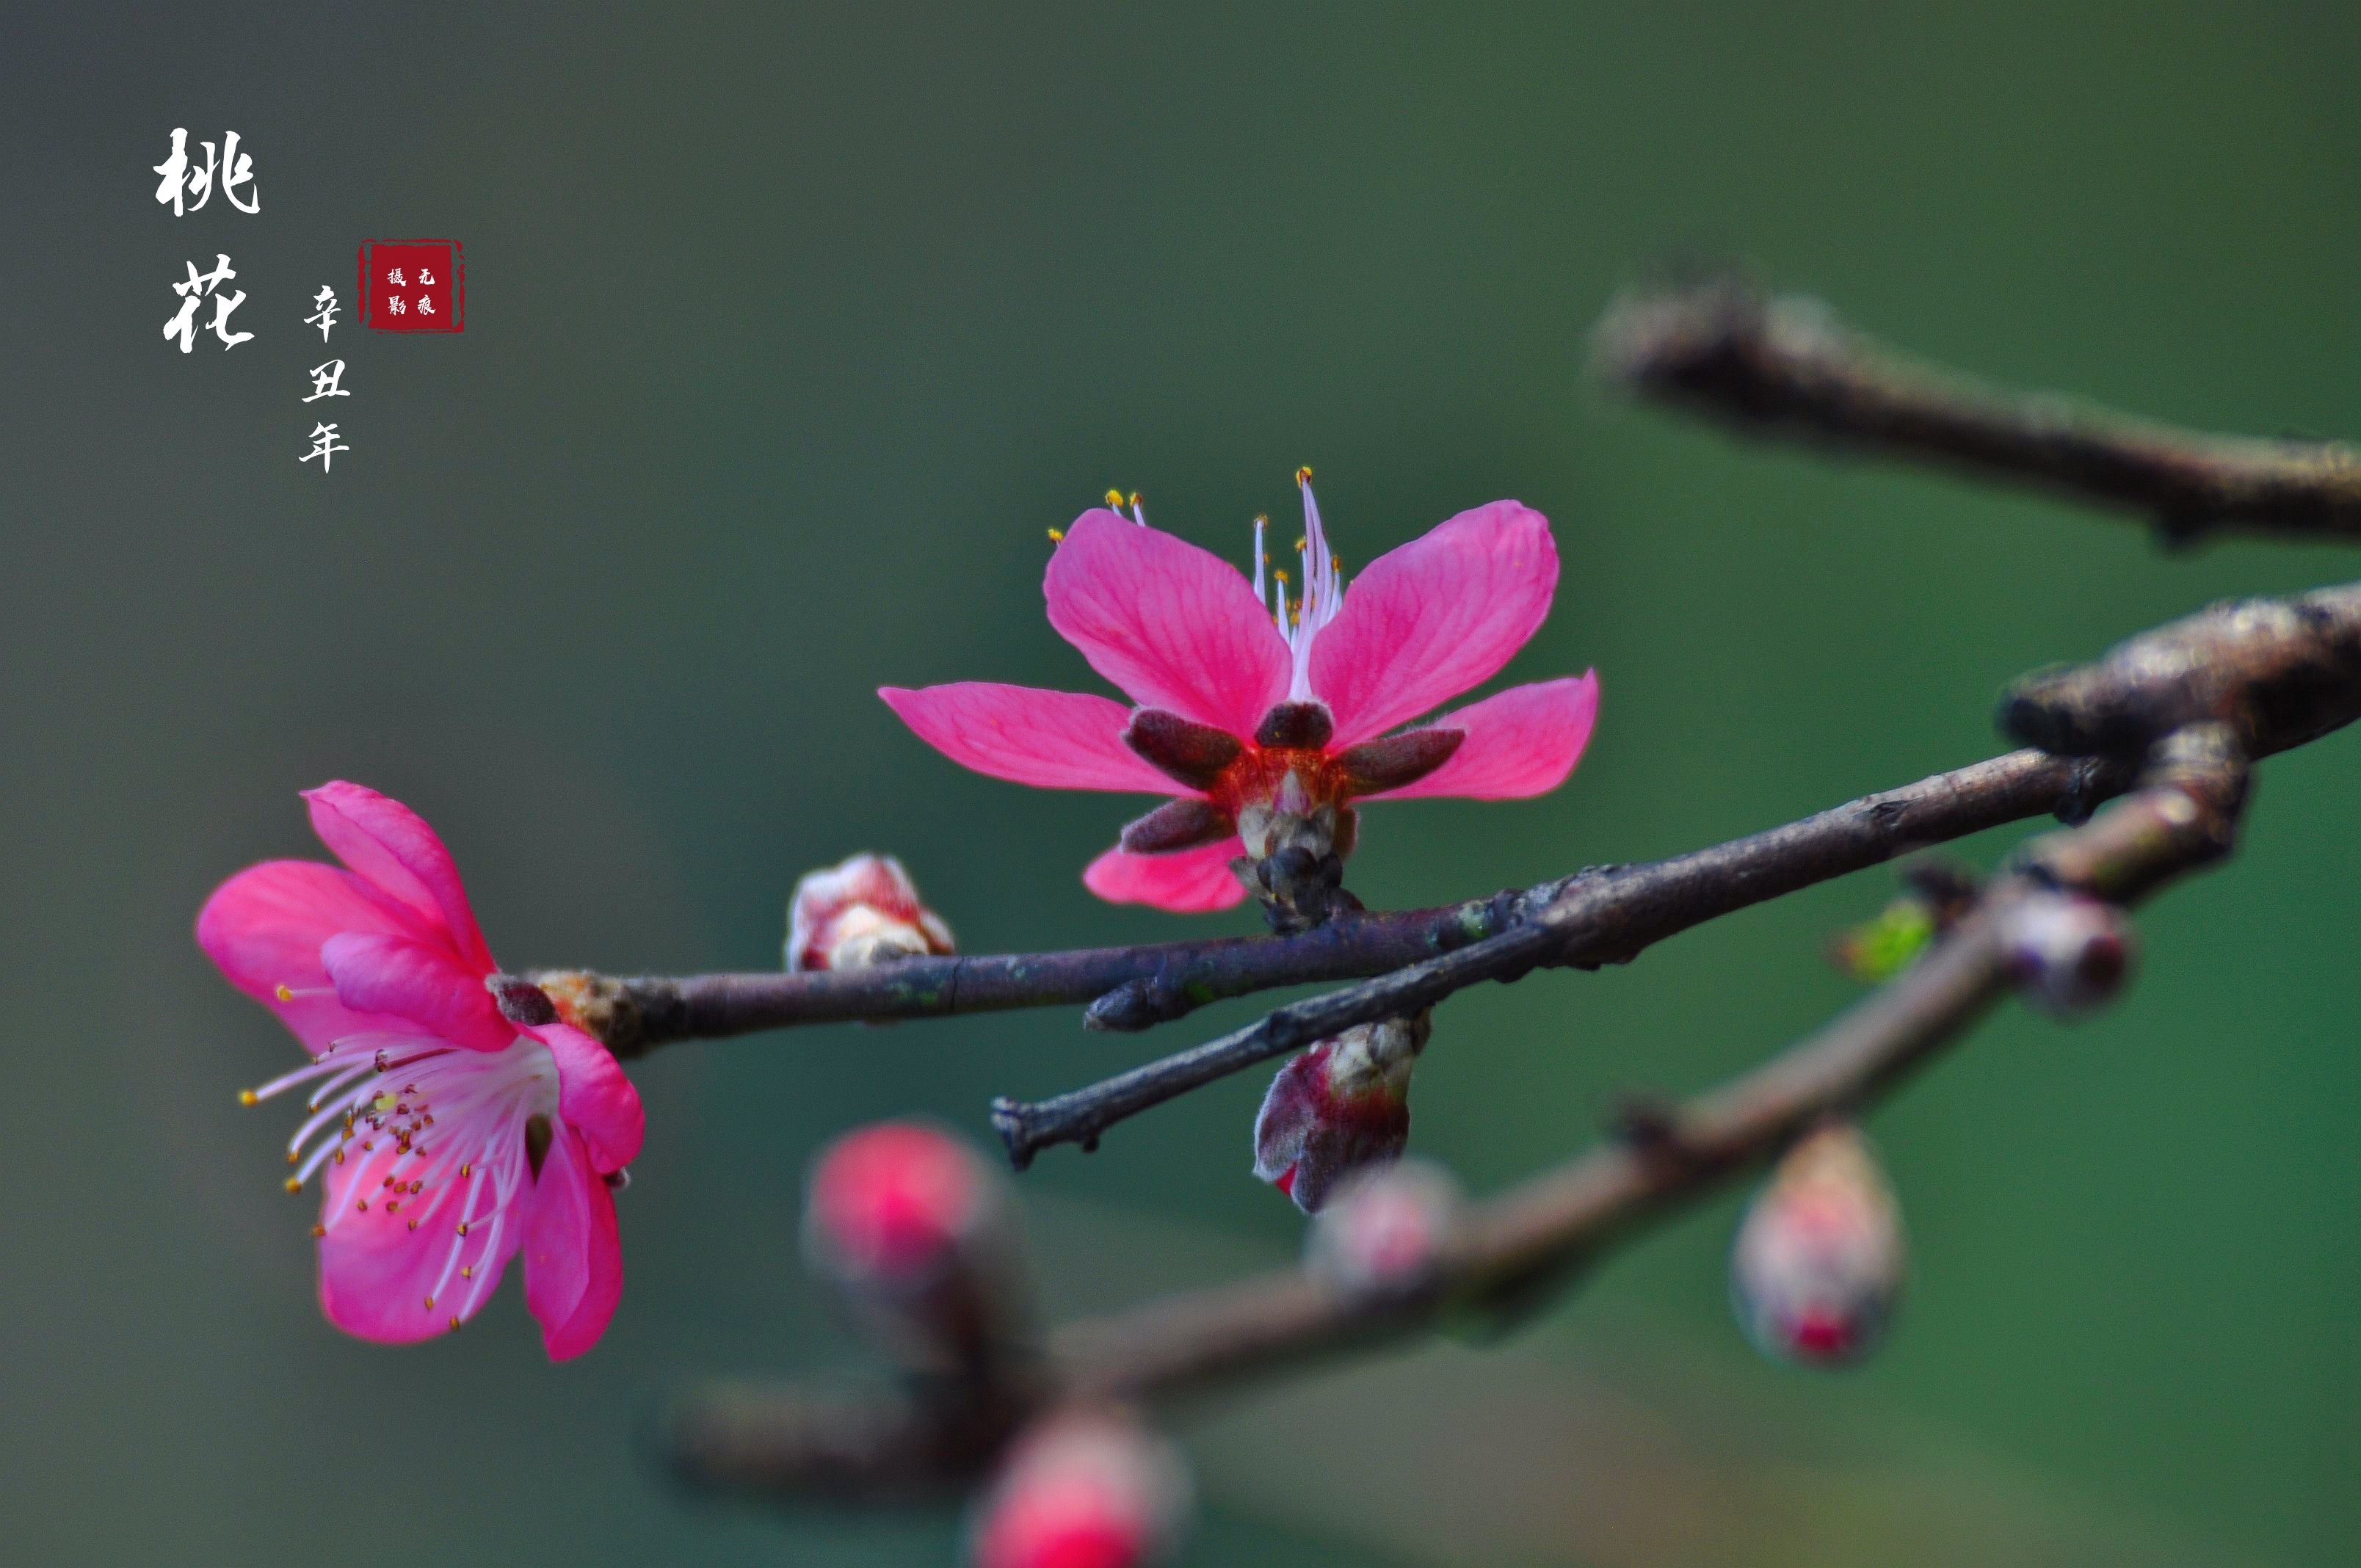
1250,703
449,1139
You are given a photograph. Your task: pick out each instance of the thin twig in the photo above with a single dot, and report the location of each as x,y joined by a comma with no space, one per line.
1505,1253
1789,367
2279,670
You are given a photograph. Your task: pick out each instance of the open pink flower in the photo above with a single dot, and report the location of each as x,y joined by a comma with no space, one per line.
449,1138
1255,709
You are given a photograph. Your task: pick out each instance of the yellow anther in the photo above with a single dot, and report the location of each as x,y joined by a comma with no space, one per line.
1303,475
294,1184
430,1303
1281,575
1135,501
1115,498
467,1271
281,993
319,1231
413,1224
455,1323
249,1097
292,1157
462,1227
1299,547
1057,536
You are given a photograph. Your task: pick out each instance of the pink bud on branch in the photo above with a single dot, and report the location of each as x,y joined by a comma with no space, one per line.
863,912
1385,1230
1340,1106
916,1233
2067,953
1085,1487
1819,1257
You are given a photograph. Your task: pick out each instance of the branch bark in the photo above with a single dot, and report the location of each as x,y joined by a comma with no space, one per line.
1601,916
2275,673
1788,366
1135,987
1504,1254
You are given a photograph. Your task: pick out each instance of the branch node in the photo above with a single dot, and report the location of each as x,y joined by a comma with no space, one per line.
1010,1121
1649,1124
1141,1003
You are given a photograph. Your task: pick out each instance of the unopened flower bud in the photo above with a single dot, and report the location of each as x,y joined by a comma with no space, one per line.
1083,1488
863,912
1340,1105
1384,1230
1819,1257
916,1233
2067,952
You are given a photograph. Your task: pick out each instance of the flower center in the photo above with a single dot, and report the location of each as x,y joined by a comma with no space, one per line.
414,1133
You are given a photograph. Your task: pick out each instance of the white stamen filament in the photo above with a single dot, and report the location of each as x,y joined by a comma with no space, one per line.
479,1103
1323,592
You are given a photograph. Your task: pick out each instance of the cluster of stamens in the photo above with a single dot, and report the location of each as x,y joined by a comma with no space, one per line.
410,1167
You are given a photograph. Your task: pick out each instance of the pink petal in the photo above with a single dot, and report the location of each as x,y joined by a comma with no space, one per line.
1052,739
573,1256
1175,626
1429,621
594,1097
392,847
411,979
1190,881
377,1275
1523,741
264,928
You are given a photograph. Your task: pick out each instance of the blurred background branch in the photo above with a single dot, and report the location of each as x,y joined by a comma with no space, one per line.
1790,367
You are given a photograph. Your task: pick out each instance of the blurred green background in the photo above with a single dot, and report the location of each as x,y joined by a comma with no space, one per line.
789,330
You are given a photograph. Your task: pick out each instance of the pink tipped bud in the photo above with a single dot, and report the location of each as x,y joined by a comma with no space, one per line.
1084,1488
863,912
2065,952
1384,1230
915,1232
1819,1257
889,1202
1339,1106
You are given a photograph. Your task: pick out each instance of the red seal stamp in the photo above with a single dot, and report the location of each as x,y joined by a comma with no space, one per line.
412,285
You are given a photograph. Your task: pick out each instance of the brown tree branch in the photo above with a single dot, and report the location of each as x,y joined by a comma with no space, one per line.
1606,916
1629,908
2278,672
1504,1252
1790,368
